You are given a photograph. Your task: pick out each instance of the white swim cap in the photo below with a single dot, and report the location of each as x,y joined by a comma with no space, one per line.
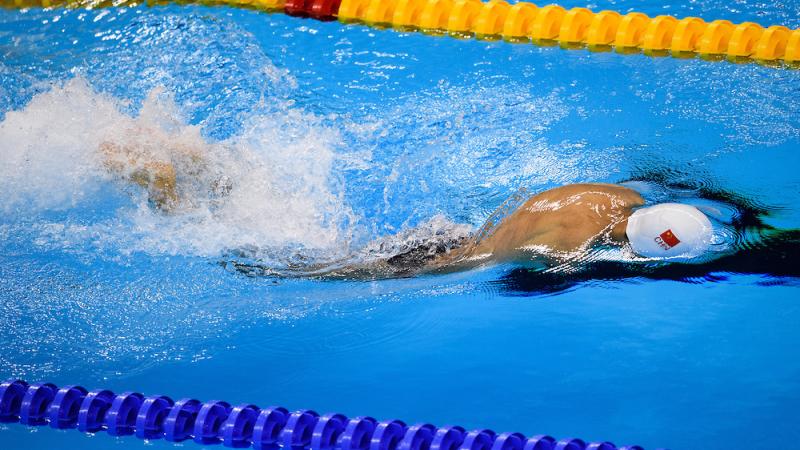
669,230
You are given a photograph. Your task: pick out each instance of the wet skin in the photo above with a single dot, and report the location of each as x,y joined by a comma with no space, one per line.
566,219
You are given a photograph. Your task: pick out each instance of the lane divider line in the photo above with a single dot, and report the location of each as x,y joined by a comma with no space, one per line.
243,426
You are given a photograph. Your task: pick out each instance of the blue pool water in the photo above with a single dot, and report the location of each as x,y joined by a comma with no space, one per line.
342,143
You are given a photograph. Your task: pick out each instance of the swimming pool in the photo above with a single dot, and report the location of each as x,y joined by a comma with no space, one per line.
336,137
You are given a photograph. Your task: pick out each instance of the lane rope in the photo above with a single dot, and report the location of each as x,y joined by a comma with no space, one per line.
246,425
525,22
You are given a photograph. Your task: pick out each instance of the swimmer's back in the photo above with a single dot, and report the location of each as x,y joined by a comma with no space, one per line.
564,219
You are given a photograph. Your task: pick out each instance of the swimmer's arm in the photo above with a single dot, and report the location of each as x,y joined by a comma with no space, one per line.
157,177
160,181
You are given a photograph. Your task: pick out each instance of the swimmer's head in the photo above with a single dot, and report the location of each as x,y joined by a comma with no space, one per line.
669,230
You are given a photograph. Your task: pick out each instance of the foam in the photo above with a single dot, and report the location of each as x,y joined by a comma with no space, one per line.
44,162
436,231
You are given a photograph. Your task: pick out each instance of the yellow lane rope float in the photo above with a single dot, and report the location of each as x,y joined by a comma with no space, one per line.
526,22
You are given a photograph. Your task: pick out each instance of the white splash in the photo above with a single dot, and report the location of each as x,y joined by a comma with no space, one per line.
280,187
46,161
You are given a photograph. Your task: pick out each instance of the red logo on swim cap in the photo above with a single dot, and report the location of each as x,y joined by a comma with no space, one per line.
667,240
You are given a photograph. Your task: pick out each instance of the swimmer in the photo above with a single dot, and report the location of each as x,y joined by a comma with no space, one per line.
570,220
555,224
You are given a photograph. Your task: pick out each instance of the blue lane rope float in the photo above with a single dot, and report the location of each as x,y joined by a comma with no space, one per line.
244,426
